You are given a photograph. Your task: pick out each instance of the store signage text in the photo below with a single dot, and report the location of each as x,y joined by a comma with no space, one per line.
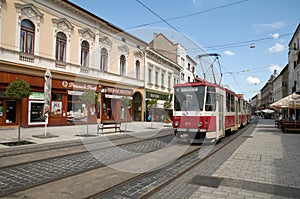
116,91
79,86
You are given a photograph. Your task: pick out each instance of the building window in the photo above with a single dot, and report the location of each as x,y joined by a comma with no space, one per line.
85,48
122,65
162,80
137,69
27,37
156,77
182,61
189,66
103,59
169,82
149,76
189,79
182,76
61,43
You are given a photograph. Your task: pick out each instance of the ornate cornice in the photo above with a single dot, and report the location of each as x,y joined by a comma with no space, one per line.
28,11
63,24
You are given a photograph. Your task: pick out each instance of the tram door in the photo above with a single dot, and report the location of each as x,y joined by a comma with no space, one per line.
221,116
236,114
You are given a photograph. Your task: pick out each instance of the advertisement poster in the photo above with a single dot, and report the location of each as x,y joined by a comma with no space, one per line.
56,108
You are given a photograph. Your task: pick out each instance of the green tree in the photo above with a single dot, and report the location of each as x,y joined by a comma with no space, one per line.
167,106
89,98
151,104
18,90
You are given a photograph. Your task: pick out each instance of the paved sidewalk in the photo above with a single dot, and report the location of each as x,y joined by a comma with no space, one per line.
69,133
264,164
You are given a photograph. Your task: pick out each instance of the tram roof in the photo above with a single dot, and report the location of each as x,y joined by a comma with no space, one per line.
204,83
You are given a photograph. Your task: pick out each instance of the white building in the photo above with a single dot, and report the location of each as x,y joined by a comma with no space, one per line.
294,62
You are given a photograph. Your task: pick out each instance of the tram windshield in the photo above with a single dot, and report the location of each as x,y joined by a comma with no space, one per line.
189,98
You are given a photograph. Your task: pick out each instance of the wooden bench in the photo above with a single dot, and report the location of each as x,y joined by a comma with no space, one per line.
290,126
109,124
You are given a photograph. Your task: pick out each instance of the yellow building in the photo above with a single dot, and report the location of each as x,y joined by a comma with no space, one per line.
82,51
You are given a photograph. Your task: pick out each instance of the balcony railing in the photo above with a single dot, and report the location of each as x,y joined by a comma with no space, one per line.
26,57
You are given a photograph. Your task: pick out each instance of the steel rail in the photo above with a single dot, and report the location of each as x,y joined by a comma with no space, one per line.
225,142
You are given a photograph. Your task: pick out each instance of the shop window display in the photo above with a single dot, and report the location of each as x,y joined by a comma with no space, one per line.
77,111
56,105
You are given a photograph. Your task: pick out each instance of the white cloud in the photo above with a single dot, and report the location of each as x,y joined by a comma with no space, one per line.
275,35
276,48
273,25
269,26
198,2
228,52
253,80
273,67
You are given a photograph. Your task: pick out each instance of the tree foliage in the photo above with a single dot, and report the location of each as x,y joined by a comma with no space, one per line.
152,103
89,97
18,90
125,101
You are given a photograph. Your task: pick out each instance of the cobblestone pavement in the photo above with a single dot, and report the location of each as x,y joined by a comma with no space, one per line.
264,164
27,175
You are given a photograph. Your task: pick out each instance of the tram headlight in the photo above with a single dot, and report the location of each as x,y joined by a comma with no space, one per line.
199,124
176,124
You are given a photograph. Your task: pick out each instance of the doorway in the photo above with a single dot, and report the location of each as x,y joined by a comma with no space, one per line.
11,112
137,106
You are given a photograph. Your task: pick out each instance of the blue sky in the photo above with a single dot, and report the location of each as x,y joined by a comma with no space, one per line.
226,27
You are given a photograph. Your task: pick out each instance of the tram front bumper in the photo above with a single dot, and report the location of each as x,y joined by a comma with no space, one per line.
190,133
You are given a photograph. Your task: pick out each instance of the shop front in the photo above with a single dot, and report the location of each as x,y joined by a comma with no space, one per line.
155,110
78,111
8,110
65,105
116,104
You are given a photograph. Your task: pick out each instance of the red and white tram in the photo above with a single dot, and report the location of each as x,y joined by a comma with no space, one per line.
206,110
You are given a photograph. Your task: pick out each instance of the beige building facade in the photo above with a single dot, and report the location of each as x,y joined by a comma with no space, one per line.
82,51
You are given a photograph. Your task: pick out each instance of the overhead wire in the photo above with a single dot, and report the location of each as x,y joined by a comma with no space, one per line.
184,16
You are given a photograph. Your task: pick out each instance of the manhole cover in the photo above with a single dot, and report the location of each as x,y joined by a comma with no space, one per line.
248,157
207,181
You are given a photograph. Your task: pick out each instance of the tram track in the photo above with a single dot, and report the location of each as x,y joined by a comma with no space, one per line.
147,184
19,177
41,152
131,186
6,152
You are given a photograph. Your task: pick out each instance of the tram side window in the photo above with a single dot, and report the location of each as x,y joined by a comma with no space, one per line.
239,105
210,104
232,103
227,102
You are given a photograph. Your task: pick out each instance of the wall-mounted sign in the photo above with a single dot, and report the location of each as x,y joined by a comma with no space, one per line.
37,96
151,95
116,91
78,86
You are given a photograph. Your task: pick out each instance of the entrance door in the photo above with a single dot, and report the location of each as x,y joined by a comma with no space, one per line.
137,107
11,112
107,109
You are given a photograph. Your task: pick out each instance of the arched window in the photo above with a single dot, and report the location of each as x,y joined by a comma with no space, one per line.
122,65
27,37
61,44
85,48
137,69
103,59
